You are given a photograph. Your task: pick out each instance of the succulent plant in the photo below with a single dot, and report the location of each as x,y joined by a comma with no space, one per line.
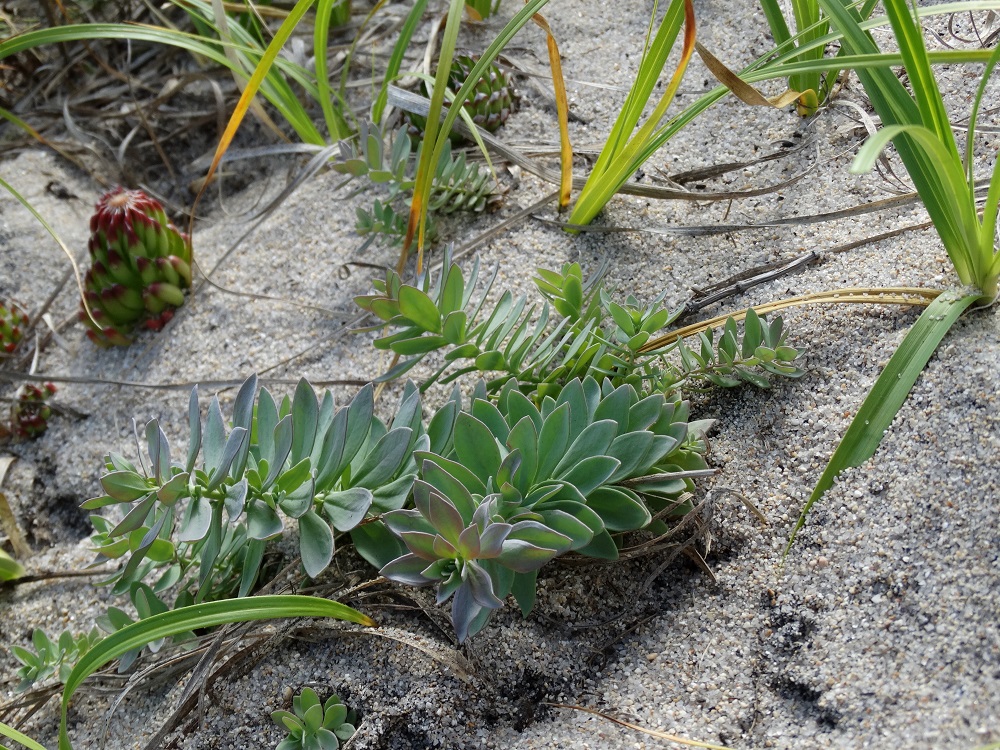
206,527
13,323
312,725
491,102
517,485
140,265
29,416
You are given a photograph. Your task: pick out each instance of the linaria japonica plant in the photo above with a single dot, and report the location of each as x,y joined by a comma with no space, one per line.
577,331
204,529
51,658
457,185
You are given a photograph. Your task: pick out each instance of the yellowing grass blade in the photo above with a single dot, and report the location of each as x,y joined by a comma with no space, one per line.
562,112
624,152
425,172
740,88
889,392
915,296
183,619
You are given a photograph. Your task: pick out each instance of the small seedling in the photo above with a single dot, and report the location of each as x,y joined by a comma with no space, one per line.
312,725
13,324
29,414
51,658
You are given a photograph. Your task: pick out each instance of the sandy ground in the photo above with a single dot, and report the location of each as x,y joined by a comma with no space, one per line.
880,629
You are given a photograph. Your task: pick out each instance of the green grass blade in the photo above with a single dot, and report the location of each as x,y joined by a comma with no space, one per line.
396,58
336,125
880,406
196,616
910,38
622,161
13,734
654,57
959,231
950,189
425,175
778,25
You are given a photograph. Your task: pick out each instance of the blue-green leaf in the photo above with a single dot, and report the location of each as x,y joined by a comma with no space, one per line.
305,418
476,447
196,521
214,440
262,522
385,459
346,509
619,509
283,435
553,440
315,543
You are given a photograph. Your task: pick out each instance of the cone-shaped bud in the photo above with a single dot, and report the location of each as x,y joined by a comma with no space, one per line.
491,102
147,270
168,293
141,264
183,269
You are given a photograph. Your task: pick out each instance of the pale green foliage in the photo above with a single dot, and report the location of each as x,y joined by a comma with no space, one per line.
578,331
51,658
312,725
457,185
206,527
9,567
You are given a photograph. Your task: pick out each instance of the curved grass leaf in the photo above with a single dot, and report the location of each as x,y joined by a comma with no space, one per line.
17,736
183,619
886,397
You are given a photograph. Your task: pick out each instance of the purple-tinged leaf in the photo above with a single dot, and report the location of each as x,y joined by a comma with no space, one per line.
492,539
468,543
420,544
480,585
444,517
406,569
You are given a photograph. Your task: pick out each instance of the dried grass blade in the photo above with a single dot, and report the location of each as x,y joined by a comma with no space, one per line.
562,112
740,88
48,228
637,728
874,296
